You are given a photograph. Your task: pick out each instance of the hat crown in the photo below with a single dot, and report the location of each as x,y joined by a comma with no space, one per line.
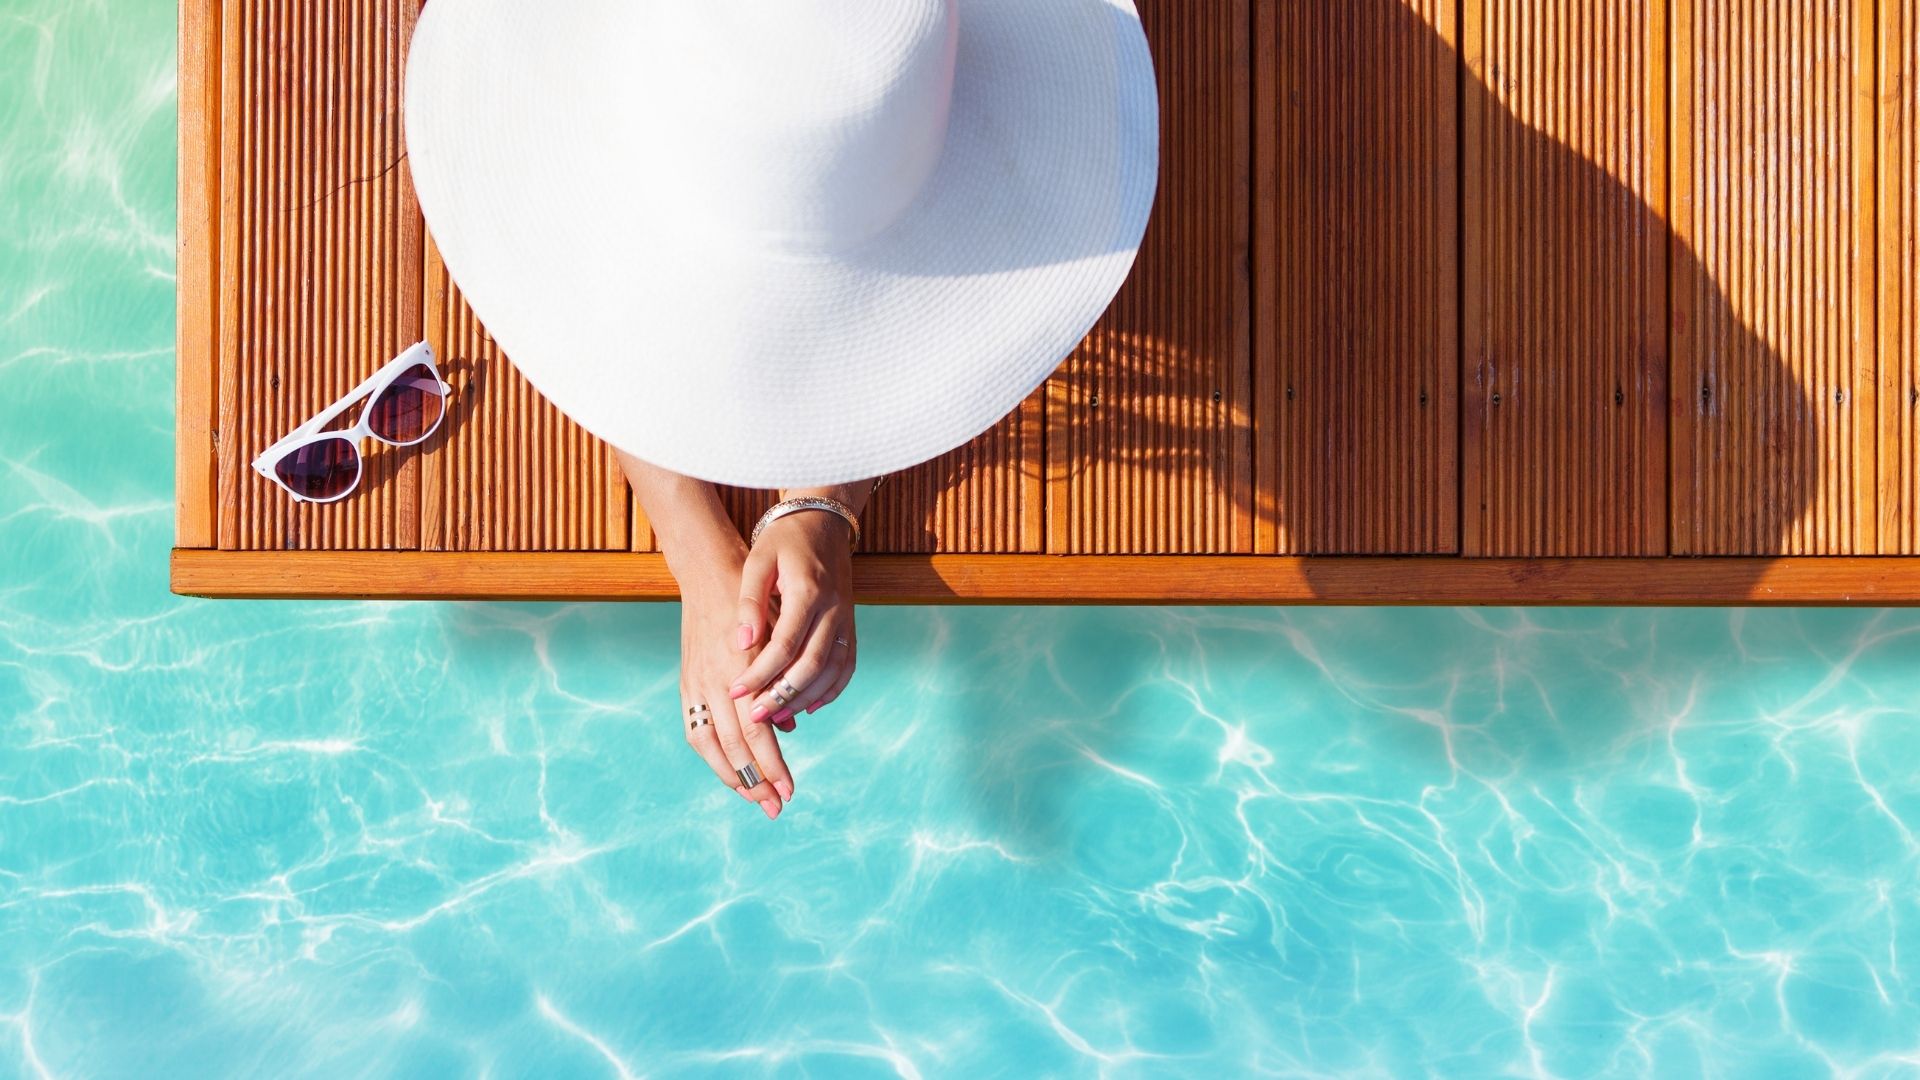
802,124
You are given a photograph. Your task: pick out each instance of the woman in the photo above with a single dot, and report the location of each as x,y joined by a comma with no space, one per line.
780,245
745,667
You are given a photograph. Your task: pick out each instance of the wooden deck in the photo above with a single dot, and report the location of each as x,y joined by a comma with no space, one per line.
1447,301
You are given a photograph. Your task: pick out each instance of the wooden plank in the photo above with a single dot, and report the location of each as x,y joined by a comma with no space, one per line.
510,472
1356,276
1149,436
438,529
1899,270
198,273
238,79
1774,396
1564,379
1031,579
406,277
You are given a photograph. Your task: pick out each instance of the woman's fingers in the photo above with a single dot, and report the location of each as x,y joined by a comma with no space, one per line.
739,754
790,690
809,676
698,727
766,751
811,693
756,588
787,643
846,666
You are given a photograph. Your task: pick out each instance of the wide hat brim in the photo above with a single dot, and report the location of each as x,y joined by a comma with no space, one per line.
769,368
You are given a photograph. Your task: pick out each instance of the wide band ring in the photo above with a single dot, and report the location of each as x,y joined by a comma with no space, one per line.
749,775
702,716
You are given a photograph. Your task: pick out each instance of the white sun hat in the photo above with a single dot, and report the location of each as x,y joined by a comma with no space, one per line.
783,243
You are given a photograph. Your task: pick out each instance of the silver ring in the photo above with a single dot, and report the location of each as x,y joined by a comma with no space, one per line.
703,717
784,693
749,774
839,641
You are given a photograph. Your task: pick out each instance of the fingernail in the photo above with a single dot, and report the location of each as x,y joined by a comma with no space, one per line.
758,712
785,788
738,689
772,807
783,714
745,635
785,726
810,709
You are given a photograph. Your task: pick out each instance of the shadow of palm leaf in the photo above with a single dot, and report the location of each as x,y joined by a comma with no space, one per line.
1574,333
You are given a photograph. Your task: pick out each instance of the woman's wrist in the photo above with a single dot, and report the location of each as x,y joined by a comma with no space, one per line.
700,543
706,564
808,511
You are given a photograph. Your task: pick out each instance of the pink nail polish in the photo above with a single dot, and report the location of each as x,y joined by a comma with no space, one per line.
745,636
783,714
785,726
772,807
738,689
784,788
758,712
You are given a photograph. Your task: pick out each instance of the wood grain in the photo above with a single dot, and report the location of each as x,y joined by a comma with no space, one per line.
1898,153
198,272
508,471
1564,388
1356,242
1774,441
1047,579
1149,438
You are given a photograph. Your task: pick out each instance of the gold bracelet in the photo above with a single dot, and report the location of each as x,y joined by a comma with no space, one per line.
805,502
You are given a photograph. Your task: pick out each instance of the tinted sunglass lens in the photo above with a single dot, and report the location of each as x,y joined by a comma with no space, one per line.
320,470
409,408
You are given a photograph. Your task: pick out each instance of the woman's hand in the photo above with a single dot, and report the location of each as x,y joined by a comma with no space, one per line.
805,558
709,656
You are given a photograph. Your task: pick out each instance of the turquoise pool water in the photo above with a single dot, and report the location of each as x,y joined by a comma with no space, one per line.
463,840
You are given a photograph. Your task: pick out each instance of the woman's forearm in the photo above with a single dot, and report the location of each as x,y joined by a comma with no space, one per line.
697,537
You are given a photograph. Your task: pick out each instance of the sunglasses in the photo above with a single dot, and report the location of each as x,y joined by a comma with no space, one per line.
406,400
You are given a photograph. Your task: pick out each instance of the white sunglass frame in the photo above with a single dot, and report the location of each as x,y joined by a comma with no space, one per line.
311,431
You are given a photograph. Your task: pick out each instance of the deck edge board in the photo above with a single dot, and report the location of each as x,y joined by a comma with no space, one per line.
1042,579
